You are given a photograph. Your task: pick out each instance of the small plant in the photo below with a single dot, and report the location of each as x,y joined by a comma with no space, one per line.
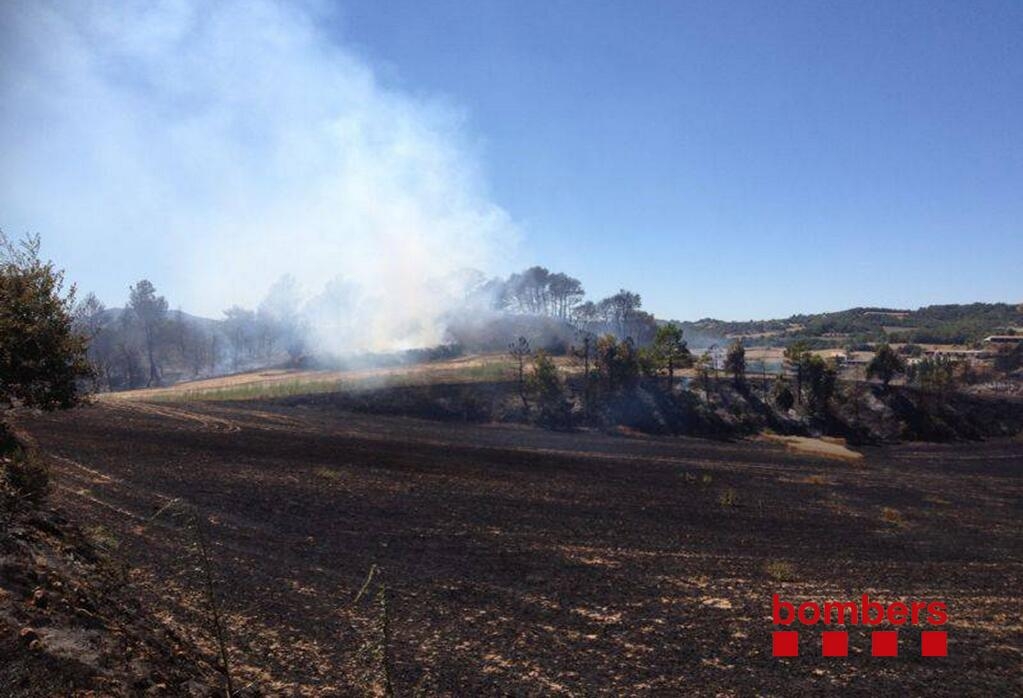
102,537
379,647
779,570
216,617
728,497
328,474
892,516
205,560
703,479
24,477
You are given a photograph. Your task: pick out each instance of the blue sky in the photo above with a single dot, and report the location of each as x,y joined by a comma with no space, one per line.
739,159
736,160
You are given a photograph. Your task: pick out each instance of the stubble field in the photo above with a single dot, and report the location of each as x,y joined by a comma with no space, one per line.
520,561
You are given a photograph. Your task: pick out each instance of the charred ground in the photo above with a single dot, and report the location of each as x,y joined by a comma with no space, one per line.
530,562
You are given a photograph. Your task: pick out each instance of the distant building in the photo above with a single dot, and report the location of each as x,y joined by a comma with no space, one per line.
1004,339
965,354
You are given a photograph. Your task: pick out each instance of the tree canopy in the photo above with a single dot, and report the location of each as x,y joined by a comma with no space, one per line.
885,365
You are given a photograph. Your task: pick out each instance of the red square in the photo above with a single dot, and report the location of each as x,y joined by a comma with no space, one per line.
934,643
836,643
884,643
785,643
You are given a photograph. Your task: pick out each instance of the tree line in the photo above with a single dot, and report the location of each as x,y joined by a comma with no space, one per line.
146,344
138,345
538,291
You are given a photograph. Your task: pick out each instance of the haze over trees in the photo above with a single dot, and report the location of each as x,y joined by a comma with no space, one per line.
145,343
148,313
628,359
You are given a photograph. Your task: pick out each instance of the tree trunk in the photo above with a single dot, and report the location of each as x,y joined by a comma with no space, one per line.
522,384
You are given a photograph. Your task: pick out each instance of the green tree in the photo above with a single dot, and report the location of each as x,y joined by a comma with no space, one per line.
782,393
42,357
796,355
519,351
735,362
546,387
820,377
885,365
704,364
938,374
670,350
617,362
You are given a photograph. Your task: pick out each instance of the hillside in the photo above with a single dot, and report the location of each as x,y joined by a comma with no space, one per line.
937,324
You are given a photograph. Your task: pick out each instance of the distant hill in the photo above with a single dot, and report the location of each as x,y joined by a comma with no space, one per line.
114,314
933,324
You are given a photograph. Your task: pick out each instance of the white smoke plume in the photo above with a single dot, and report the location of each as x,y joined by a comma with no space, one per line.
217,146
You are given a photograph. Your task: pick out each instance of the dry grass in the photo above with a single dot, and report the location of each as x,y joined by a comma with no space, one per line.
779,570
825,447
728,497
703,479
102,537
892,516
328,474
276,383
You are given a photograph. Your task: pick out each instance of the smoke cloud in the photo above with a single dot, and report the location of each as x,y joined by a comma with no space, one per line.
217,146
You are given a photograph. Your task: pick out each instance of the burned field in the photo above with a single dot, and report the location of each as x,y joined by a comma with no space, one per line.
520,561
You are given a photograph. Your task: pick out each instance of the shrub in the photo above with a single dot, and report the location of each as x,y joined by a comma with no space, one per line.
617,363
42,358
783,395
24,478
554,411
892,516
885,365
728,497
780,570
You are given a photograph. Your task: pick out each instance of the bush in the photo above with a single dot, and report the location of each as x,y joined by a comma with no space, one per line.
554,411
24,477
617,363
42,358
783,395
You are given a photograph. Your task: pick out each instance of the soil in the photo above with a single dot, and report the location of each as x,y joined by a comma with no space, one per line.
71,621
507,560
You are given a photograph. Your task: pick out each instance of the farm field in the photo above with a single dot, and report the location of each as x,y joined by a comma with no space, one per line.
282,382
526,562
